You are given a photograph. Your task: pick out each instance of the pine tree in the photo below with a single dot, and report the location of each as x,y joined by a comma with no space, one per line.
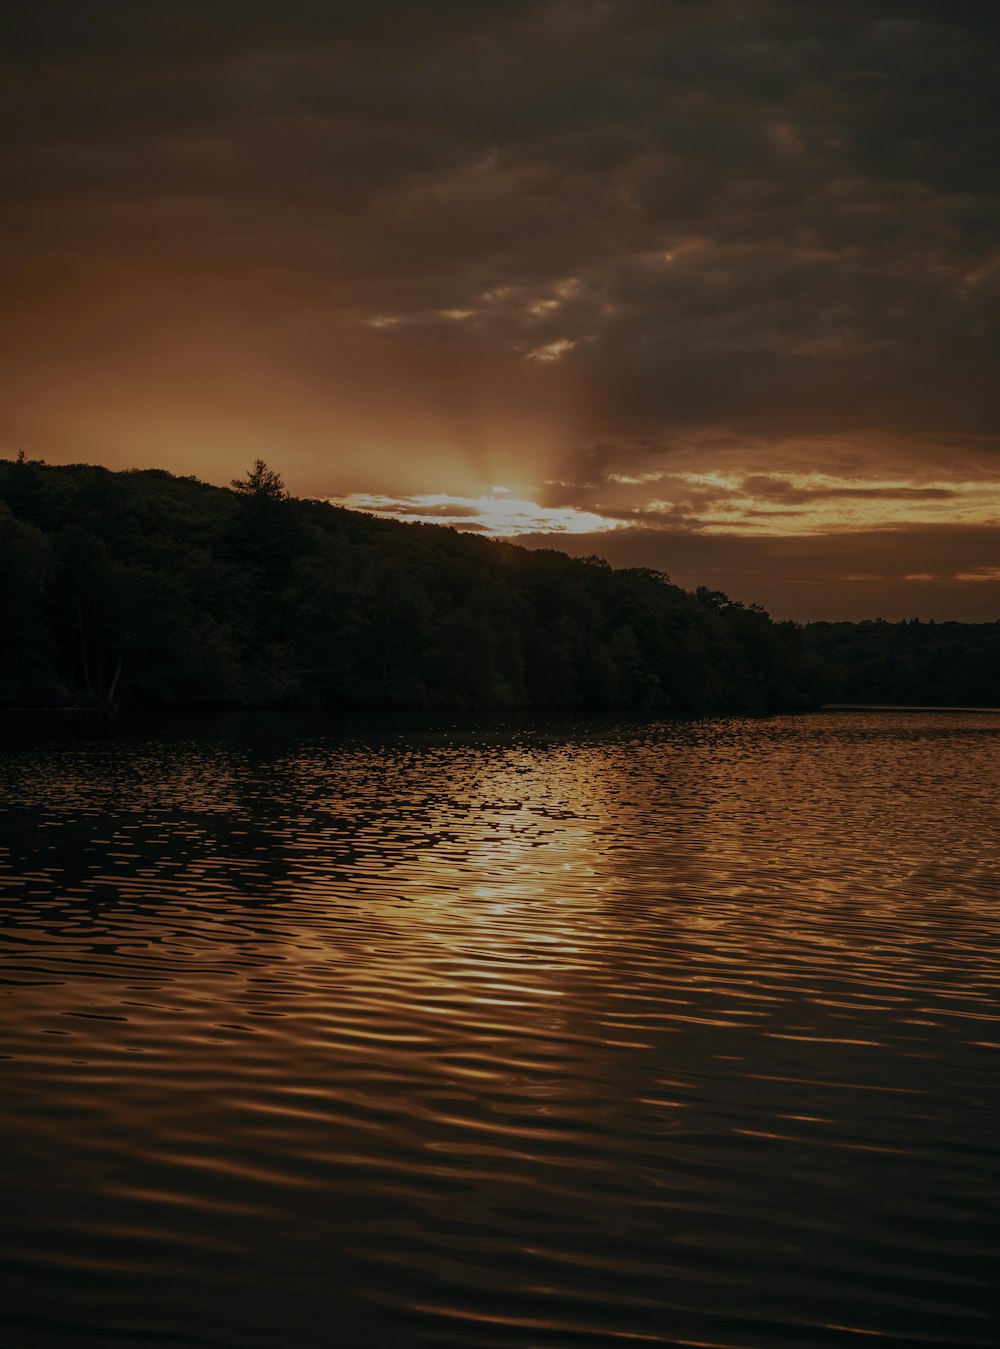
260,481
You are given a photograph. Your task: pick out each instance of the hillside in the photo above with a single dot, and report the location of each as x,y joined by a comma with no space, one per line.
142,589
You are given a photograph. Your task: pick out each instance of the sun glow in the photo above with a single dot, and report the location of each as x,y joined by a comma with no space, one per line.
498,514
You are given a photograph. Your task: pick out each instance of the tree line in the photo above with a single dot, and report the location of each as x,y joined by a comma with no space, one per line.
915,663
144,589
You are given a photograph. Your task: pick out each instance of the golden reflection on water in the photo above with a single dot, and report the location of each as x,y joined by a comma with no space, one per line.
678,1032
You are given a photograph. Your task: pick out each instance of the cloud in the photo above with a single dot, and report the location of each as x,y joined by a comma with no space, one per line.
778,489
794,503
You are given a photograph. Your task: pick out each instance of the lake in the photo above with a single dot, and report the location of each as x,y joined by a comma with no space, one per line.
500,1033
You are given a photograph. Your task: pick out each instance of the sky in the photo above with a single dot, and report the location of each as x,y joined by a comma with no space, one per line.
705,285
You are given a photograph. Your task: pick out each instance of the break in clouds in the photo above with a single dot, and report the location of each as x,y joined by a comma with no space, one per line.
696,271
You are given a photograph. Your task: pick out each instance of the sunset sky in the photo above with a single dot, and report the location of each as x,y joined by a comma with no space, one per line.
707,285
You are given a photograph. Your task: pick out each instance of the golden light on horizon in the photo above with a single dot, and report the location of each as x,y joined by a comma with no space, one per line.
715,502
497,513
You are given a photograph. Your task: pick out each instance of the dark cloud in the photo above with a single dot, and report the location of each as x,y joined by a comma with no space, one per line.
777,489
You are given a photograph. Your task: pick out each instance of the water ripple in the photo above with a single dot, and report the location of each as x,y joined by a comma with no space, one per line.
671,1033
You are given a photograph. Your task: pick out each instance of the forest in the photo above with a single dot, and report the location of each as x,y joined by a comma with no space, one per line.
909,663
142,589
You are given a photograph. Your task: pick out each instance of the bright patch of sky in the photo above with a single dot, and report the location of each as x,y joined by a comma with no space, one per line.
499,513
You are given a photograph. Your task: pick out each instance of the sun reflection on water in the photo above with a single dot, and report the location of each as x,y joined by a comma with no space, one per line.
504,1034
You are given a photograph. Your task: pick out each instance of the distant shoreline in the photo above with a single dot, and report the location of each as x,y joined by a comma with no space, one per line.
902,707
653,714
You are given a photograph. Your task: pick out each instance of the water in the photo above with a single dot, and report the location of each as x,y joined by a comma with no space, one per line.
524,1035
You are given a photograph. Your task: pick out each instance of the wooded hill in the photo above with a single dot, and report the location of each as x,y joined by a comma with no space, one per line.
142,589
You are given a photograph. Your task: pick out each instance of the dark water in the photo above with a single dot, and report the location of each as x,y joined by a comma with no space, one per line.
645,1034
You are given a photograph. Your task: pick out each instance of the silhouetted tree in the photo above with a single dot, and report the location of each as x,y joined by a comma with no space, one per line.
260,481
27,673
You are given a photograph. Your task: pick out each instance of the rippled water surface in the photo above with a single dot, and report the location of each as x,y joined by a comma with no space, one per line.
506,1035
